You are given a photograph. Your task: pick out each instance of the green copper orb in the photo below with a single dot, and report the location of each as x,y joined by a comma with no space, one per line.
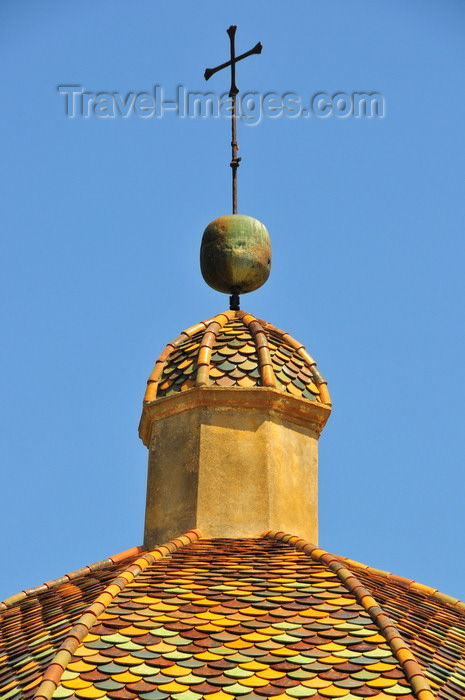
235,254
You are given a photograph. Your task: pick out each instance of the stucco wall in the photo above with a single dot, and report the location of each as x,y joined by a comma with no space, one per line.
233,469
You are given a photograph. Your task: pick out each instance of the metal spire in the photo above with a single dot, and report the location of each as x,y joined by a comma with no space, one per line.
233,94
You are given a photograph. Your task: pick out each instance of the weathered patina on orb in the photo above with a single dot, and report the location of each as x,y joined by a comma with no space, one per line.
235,254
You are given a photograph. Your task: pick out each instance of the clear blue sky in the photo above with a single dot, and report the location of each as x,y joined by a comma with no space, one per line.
101,226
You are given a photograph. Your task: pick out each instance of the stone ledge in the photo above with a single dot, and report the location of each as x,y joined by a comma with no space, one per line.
299,411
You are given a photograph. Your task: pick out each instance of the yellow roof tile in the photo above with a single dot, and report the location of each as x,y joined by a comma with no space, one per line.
331,646
90,638
84,651
316,683
149,600
161,648
270,674
207,656
270,631
208,615
253,666
382,682
333,691
75,683
255,637
91,692
313,613
125,677
176,671
80,666
332,659
172,687
282,651
254,682
238,644
129,631
375,638
209,627
380,666
226,622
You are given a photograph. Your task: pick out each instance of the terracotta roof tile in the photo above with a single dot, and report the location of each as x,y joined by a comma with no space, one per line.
236,349
252,618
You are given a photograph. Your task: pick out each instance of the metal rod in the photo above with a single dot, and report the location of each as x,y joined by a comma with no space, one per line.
233,94
233,91
235,160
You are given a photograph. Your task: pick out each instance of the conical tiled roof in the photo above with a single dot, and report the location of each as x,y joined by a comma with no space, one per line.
236,349
223,619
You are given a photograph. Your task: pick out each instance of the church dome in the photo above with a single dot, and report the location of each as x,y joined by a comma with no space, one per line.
235,349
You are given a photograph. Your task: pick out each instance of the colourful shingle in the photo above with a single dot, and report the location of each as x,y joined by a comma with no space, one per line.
236,349
252,618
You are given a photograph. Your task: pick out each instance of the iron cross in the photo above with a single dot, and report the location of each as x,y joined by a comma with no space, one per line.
233,94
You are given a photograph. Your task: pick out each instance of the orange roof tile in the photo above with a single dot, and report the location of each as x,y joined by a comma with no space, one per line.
201,618
236,349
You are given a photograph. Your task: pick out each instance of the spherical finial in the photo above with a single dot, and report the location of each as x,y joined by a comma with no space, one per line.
235,255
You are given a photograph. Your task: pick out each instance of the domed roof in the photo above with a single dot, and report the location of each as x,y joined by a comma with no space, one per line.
272,616
234,349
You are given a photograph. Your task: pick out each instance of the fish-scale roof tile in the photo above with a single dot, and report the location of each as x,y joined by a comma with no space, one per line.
254,618
34,623
235,349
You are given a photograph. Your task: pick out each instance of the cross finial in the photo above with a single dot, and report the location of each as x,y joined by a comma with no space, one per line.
233,94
